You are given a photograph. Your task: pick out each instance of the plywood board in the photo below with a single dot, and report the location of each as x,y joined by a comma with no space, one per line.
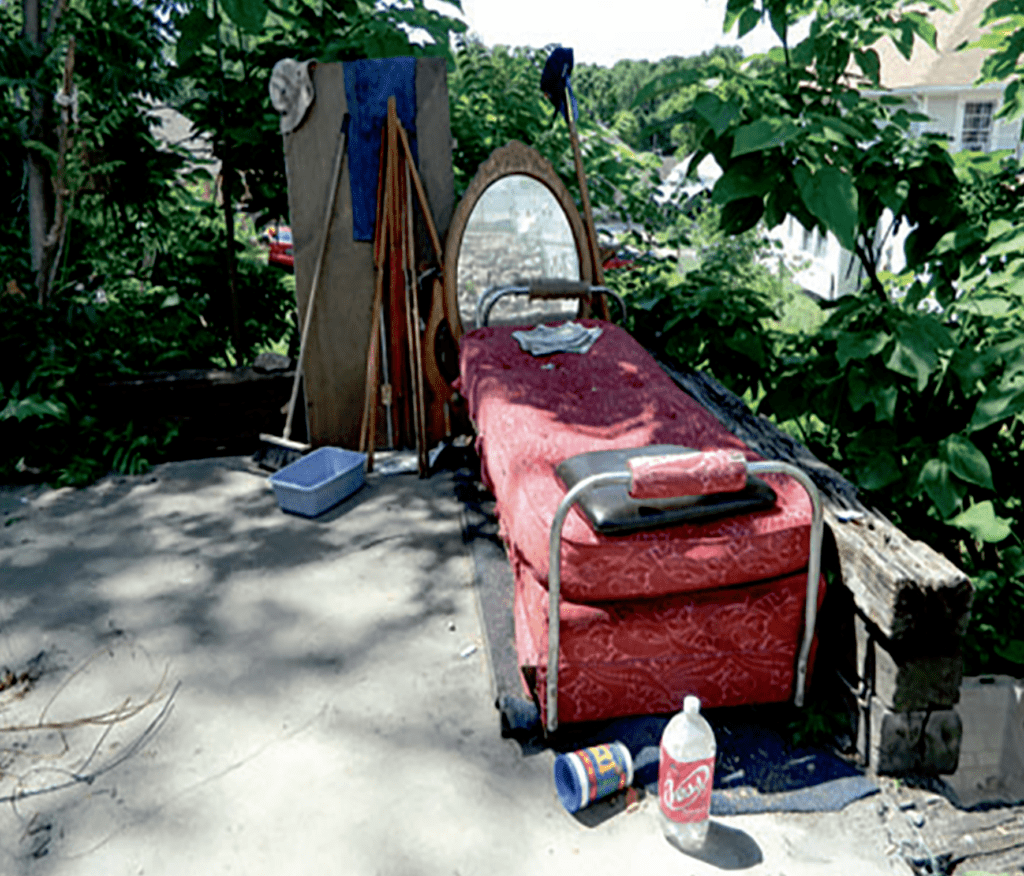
335,366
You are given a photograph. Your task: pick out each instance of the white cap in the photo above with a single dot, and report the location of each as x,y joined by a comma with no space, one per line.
291,91
691,704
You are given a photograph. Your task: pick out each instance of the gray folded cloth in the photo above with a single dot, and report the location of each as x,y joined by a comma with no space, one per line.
569,337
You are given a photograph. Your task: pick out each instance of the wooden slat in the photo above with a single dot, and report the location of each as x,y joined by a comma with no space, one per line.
957,837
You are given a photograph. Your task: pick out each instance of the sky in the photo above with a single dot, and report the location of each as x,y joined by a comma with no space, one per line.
652,29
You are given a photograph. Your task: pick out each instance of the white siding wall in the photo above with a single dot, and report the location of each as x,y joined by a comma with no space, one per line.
1006,135
943,112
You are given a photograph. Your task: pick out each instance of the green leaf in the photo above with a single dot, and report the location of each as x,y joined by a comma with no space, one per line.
249,15
34,406
879,471
741,215
905,41
660,85
895,196
997,228
971,366
986,305
716,112
762,134
965,235
980,521
802,54
749,19
967,462
777,14
860,345
869,64
934,478
842,127
917,348
996,404
743,179
194,30
864,391
923,27
829,196
1013,651
1007,244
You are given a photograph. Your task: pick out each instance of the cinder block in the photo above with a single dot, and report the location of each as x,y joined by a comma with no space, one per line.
917,741
988,758
918,682
992,757
942,735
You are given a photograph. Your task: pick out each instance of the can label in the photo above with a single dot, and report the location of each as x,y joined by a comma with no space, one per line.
684,788
605,768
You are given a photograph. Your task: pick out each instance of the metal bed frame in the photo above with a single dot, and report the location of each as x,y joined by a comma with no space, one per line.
551,289
625,477
542,289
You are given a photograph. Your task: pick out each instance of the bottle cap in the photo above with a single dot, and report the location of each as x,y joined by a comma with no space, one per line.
691,705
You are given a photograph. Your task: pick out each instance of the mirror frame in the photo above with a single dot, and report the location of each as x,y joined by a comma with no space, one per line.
512,159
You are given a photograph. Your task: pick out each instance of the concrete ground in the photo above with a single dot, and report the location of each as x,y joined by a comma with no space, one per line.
202,684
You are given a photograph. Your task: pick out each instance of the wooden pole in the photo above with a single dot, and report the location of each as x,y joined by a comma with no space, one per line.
410,328
396,298
441,392
588,216
421,196
368,431
417,358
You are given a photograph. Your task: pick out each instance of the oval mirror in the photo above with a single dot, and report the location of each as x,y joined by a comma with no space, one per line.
516,232
517,221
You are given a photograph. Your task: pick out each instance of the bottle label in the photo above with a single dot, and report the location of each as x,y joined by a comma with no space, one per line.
684,788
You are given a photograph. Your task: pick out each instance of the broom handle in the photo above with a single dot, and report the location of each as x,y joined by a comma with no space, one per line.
308,321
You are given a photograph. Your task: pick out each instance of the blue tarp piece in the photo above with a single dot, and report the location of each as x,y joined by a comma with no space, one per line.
830,796
368,85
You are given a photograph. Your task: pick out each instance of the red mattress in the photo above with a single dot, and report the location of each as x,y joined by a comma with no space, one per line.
729,647
532,413
715,609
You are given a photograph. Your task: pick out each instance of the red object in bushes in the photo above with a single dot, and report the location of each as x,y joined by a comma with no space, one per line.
616,262
282,252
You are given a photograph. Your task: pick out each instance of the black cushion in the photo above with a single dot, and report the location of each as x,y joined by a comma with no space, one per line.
611,510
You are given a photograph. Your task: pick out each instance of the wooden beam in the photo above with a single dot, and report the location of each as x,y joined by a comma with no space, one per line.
909,591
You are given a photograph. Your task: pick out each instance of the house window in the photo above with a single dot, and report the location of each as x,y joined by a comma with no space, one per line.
821,249
805,243
977,131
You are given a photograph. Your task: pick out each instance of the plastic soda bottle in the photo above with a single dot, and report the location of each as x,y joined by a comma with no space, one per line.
686,772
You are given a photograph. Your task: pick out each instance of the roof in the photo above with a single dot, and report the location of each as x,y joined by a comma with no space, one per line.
928,68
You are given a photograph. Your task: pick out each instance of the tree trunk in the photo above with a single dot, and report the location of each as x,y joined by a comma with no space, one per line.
227,176
36,169
53,245
227,180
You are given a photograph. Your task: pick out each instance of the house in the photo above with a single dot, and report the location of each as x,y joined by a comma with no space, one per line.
940,84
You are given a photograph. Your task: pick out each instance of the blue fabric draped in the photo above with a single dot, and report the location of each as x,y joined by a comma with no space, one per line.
368,85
